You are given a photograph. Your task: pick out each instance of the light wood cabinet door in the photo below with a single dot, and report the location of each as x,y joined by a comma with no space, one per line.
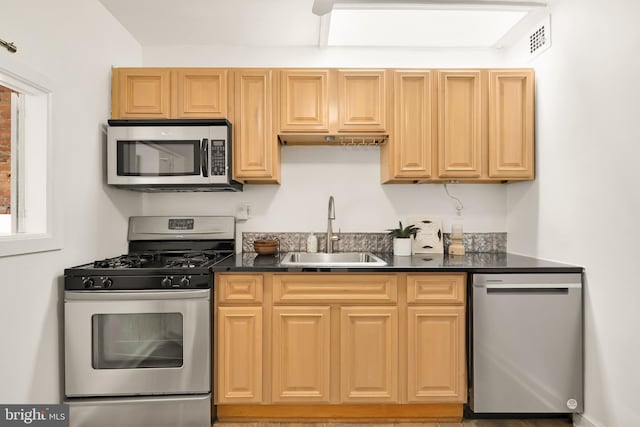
368,354
304,101
436,354
459,124
256,155
201,93
511,124
301,288
301,351
141,93
362,100
239,365
414,124
436,288
239,288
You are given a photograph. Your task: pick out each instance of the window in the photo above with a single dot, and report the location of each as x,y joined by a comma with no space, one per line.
8,100
27,222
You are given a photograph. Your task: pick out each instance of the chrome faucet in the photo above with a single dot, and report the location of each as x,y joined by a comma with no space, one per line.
330,217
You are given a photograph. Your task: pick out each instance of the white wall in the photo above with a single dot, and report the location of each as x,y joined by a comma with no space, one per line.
71,43
311,174
584,206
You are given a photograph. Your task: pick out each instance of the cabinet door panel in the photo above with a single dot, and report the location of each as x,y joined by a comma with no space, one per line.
301,354
239,355
361,100
511,124
255,147
308,287
201,93
413,123
304,101
436,288
369,354
459,124
240,288
143,93
436,354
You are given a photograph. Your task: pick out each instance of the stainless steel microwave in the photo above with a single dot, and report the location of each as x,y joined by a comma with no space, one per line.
170,155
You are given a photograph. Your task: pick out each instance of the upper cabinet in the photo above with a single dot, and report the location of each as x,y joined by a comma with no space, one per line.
467,125
511,124
201,92
304,101
163,93
256,152
315,103
461,125
141,93
362,101
408,154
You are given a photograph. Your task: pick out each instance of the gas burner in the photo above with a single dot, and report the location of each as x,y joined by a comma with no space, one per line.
122,261
187,261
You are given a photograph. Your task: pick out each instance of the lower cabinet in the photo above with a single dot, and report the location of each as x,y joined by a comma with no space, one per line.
368,354
359,345
435,353
239,360
301,362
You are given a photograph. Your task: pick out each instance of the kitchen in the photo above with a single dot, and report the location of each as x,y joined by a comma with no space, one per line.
583,143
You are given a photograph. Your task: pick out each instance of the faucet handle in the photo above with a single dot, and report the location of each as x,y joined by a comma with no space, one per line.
336,236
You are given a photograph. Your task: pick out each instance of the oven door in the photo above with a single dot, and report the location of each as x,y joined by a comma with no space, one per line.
134,343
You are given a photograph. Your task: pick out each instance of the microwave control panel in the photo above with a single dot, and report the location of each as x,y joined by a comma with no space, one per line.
218,158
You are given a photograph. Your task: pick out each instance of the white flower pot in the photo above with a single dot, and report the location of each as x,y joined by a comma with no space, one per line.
402,247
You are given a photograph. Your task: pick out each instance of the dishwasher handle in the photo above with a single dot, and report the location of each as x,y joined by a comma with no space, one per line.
528,290
498,284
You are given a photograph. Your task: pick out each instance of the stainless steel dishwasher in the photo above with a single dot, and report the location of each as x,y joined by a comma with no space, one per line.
527,343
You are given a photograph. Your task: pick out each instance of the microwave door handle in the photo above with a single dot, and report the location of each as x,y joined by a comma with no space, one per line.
204,155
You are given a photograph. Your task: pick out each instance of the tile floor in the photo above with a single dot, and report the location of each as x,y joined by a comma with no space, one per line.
548,422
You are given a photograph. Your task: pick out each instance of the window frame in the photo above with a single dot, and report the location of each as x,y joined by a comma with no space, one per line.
32,84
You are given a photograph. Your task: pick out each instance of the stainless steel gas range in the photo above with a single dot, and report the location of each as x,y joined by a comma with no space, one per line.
137,327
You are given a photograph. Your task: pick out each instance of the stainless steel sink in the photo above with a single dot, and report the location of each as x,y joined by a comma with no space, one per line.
336,259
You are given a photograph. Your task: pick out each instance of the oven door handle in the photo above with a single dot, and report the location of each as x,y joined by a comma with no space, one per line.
109,295
204,153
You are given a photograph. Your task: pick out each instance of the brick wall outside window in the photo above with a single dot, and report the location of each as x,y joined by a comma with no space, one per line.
5,150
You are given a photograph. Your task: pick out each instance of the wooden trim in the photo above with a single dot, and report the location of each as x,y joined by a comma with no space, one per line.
337,413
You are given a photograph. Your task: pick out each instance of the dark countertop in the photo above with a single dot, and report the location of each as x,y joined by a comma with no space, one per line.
471,263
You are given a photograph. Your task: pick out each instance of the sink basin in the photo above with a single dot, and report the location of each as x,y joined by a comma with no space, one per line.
336,259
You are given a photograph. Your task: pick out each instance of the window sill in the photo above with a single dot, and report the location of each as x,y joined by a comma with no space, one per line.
22,244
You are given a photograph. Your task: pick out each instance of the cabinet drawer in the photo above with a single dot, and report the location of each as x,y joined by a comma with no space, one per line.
239,288
436,288
334,287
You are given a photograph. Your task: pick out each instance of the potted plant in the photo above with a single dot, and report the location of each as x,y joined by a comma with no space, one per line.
402,239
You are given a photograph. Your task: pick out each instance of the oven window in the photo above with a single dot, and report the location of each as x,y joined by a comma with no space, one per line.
158,158
140,340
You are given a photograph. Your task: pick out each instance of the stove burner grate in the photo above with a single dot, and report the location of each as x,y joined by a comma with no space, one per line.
123,261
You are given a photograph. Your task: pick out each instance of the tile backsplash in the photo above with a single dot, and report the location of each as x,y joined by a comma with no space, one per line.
374,242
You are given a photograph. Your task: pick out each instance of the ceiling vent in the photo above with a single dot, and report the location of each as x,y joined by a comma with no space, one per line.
540,38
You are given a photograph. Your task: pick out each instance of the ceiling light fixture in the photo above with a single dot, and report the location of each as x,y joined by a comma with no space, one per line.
420,23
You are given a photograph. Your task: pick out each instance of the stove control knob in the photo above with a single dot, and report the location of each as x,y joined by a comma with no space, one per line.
166,282
185,282
107,282
87,283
